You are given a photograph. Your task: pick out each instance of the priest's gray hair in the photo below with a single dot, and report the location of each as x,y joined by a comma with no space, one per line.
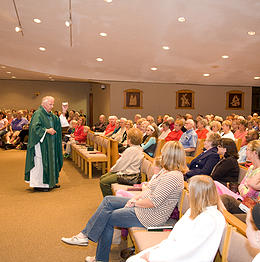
46,99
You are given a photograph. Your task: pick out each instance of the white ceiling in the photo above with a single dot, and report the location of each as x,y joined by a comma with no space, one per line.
137,30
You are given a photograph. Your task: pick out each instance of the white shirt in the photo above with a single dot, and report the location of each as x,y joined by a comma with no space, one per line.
228,135
257,258
164,134
64,122
190,240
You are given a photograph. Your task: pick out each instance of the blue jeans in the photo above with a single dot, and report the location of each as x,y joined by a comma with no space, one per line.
100,227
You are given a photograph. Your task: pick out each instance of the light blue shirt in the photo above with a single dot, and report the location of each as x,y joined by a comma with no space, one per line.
189,139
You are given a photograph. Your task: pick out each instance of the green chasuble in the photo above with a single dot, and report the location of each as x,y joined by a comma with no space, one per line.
51,147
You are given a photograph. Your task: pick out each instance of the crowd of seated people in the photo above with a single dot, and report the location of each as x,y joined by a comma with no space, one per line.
14,126
219,160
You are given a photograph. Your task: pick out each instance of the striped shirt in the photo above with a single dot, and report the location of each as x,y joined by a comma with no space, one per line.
164,191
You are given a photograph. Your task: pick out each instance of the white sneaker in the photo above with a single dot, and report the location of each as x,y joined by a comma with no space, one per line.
90,259
75,240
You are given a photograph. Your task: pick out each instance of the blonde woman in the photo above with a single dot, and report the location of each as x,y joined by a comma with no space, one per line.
215,127
197,235
152,207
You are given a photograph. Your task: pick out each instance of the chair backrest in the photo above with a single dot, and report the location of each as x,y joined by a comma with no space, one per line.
239,249
160,144
238,143
146,168
90,138
114,151
224,243
199,148
242,173
105,145
184,203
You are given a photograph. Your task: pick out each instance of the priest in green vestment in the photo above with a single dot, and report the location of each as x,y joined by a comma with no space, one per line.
44,157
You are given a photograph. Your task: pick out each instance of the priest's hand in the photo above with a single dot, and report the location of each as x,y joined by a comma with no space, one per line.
51,131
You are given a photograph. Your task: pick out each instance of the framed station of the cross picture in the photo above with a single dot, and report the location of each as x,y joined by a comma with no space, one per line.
133,99
235,100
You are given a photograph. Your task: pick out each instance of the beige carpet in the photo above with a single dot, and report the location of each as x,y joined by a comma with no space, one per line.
32,223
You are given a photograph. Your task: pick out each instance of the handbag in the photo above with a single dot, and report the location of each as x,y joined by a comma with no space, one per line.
130,180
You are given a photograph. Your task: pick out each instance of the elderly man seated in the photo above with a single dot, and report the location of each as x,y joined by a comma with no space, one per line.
16,127
101,125
189,138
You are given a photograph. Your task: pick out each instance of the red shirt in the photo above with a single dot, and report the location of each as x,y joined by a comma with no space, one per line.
202,133
80,135
109,129
174,135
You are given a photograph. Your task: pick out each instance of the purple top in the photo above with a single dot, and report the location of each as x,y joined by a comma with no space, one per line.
17,124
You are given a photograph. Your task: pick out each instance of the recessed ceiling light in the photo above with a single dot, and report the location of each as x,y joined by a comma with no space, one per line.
13,77
108,1
154,68
103,34
42,48
206,74
99,59
225,56
68,23
18,29
166,47
181,19
8,72
251,33
3,66
37,21
257,77
52,79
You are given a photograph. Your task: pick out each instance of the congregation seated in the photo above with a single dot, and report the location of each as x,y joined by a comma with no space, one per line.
122,145
204,163
79,136
215,127
116,129
165,130
136,118
170,121
152,207
227,169
119,134
20,141
241,132
201,129
176,133
189,138
197,235
144,126
249,188
16,127
250,136
150,119
150,143
101,125
3,124
226,130
128,164
111,126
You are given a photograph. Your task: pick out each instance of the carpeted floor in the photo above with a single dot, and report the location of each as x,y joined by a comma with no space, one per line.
32,223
